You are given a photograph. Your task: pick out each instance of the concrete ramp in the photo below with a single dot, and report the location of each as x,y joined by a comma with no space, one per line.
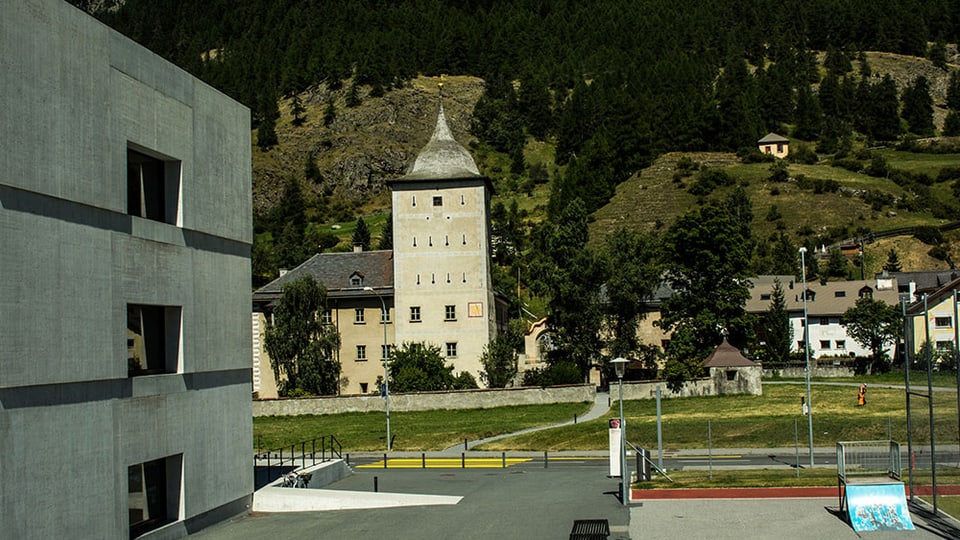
278,499
878,507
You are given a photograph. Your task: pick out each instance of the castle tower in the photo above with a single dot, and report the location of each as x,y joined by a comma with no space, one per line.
442,282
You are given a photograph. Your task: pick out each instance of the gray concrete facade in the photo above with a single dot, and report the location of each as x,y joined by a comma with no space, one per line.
77,101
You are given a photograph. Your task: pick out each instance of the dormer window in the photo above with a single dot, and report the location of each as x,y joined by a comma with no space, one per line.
811,296
866,292
356,279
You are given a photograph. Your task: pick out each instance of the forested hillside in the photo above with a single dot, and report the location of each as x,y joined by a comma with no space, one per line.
634,120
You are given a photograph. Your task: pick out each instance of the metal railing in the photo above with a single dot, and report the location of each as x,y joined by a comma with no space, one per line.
279,461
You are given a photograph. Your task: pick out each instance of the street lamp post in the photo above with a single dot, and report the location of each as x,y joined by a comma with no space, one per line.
806,347
620,365
386,372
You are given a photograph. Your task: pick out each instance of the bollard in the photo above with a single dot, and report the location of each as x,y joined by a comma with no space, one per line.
348,459
546,460
423,460
384,461
465,445
503,456
574,419
376,487
463,460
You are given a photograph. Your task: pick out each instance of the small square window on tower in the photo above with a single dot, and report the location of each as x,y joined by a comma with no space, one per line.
438,200
451,350
414,313
450,313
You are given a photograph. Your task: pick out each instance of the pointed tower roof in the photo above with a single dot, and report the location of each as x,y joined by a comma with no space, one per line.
726,355
443,157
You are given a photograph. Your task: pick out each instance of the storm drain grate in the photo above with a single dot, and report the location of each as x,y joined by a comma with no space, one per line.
590,529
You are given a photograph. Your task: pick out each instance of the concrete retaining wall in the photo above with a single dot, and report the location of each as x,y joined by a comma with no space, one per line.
427,401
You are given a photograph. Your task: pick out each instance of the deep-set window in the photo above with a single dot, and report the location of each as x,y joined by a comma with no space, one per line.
450,313
153,186
153,494
153,339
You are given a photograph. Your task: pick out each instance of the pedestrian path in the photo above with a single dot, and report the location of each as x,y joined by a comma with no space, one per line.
601,405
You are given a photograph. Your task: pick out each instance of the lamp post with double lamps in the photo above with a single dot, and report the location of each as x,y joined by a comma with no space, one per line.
620,365
806,347
386,372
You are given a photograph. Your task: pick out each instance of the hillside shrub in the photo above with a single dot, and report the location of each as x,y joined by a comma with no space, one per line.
928,234
754,155
877,199
710,179
851,165
803,153
948,173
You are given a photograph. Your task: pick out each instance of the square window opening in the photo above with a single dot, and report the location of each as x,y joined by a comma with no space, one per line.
450,313
153,339
153,494
438,200
153,186
414,313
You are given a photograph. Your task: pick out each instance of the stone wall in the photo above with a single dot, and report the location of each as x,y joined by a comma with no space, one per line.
817,371
648,389
426,401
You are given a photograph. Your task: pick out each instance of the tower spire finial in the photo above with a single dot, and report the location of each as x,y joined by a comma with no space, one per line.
440,88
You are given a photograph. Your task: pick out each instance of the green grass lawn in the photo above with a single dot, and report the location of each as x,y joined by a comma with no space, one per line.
766,421
422,430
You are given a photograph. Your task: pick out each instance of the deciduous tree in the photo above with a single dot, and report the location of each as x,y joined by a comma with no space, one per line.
419,367
301,348
873,324
708,252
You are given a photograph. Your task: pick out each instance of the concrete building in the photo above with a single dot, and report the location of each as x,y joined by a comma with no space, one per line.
826,302
125,232
931,319
435,285
776,145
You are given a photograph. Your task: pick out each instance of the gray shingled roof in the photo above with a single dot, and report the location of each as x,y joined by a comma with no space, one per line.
443,158
773,138
726,355
334,270
828,299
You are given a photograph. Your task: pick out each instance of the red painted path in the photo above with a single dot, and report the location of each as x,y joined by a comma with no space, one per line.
763,493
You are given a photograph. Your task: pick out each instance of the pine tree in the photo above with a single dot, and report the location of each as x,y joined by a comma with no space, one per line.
386,238
893,262
361,235
777,328
297,111
953,91
809,117
329,113
918,107
951,125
